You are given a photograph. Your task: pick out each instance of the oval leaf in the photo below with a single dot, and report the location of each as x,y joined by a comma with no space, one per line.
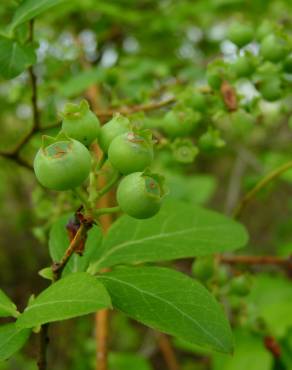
75,295
14,58
171,302
12,339
28,9
178,231
7,307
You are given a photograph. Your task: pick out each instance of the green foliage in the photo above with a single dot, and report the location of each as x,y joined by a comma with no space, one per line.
29,9
75,295
127,361
195,189
12,339
77,83
198,92
195,230
171,302
249,353
271,296
7,307
14,57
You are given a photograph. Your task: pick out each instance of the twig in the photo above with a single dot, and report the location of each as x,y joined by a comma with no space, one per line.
44,340
109,185
44,337
102,322
57,269
17,159
260,185
80,235
233,188
135,108
15,155
256,260
33,81
167,352
104,211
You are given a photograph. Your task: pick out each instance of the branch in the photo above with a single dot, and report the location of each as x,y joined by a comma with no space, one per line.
44,341
109,185
17,159
57,269
15,155
33,81
135,108
101,114
102,323
79,237
260,185
257,260
167,352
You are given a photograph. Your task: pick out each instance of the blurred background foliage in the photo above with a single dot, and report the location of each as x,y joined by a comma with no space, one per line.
132,51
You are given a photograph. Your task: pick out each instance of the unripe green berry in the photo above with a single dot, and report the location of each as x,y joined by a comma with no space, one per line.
199,102
184,151
116,126
273,48
203,268
80,123
194,99
270,88
243,66
242,122
240,34
140,194
62,164
179,123
210,141
214,79
265,29
131,152
240,285
222,275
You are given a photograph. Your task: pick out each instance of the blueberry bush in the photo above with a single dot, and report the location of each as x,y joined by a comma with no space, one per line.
146,167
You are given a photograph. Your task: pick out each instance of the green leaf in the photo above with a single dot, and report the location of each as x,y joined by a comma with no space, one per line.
7,307
272,297
249,353
47,273
171,302
79,83
59,242
14,58
29,9
178,231
127,361
196,189
75,295
12,339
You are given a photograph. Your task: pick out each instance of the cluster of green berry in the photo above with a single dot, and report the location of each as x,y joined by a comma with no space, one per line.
65,162
201,115
208,270
266,69
184,126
